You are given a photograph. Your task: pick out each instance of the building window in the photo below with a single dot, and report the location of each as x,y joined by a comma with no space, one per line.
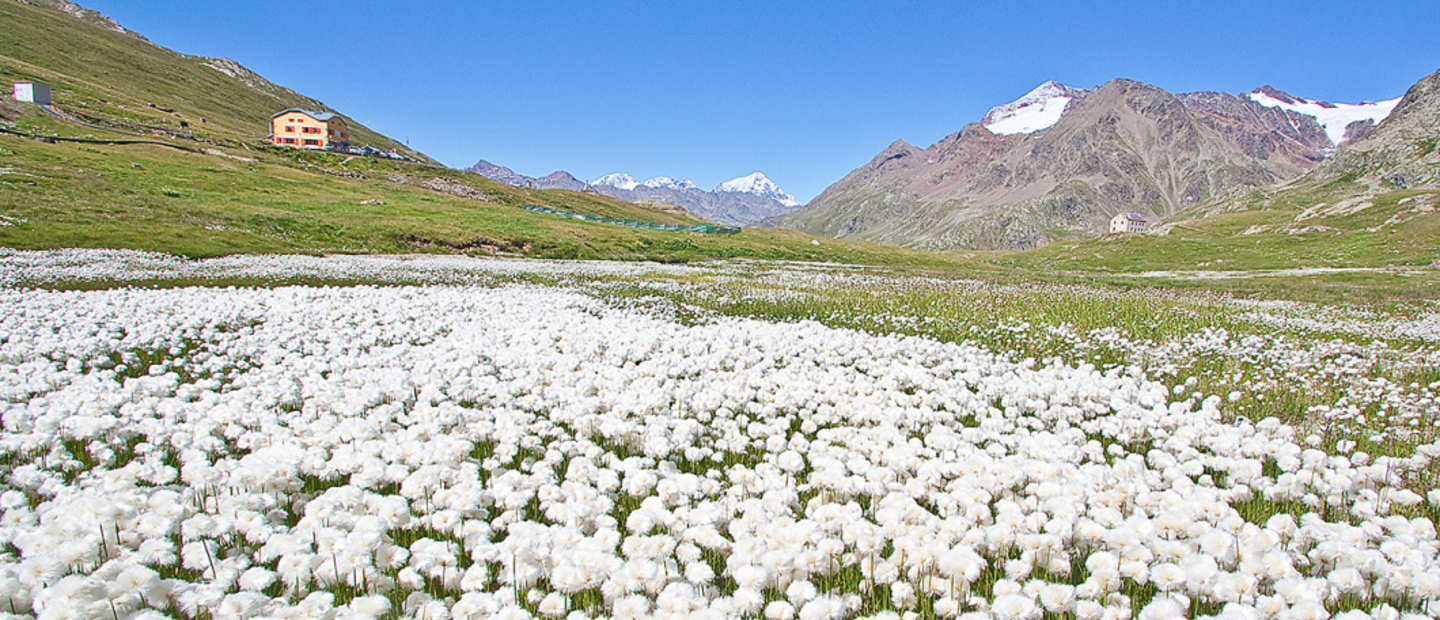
289,140
311,142
289,129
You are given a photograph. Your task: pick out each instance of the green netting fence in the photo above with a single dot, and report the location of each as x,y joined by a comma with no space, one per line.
722,229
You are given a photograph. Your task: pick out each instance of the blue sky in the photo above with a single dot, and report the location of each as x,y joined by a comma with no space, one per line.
804,92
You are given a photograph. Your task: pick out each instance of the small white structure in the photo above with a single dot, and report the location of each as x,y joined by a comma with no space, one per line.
33,92
1129,223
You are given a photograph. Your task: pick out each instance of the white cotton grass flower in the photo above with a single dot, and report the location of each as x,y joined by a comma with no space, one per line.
779,610
553,605
1308,610
141,580
699,573
1057,597
410,579
1426,585
823,608
902,595
1270,605
1346,580
630,607
1004,587
946,607
748,601
1088,610
198,556
1163,608
1014,607
801,591
1018,569
373,605
1168,577
924,464
256,579
475,578
241,605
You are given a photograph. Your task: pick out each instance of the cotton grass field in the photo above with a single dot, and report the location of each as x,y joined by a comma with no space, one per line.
446,437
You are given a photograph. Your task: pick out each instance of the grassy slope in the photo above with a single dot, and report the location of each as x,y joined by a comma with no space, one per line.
155,198
242,197
1392,242
115,75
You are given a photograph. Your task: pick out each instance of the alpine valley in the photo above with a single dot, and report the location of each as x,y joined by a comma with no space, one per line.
740,201
1059,162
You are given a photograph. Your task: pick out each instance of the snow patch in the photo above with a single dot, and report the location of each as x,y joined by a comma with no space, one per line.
757,184
669,183
1038,109
1333,117
618,180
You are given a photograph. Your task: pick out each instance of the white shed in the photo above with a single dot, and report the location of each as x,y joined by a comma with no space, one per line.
1129,223
33,92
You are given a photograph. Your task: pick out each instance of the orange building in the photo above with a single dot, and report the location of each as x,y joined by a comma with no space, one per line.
309,130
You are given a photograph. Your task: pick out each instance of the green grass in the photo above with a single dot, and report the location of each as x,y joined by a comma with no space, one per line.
121,77
280,201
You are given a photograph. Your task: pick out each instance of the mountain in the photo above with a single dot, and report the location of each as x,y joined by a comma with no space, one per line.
741,201
619,180
500,173
1060,161
1399,153
757,184
1374,202
555,180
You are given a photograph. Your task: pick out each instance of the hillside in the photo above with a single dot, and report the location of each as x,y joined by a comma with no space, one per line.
1058,163
1386,180
1371,210
212,188
99,69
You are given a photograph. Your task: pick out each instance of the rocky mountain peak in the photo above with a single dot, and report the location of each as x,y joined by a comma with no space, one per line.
619,180
758,184
1276,94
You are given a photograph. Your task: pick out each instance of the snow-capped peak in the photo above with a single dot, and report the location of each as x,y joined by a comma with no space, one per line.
669,183
1038,109
757,184
618,180
1333,117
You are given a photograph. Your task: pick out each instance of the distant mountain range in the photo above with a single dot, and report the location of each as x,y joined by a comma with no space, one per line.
1060,161
740,201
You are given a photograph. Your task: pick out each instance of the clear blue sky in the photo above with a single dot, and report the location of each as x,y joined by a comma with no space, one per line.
804,92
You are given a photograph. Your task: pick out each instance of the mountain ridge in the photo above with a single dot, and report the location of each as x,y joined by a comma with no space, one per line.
741,201
1064,160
